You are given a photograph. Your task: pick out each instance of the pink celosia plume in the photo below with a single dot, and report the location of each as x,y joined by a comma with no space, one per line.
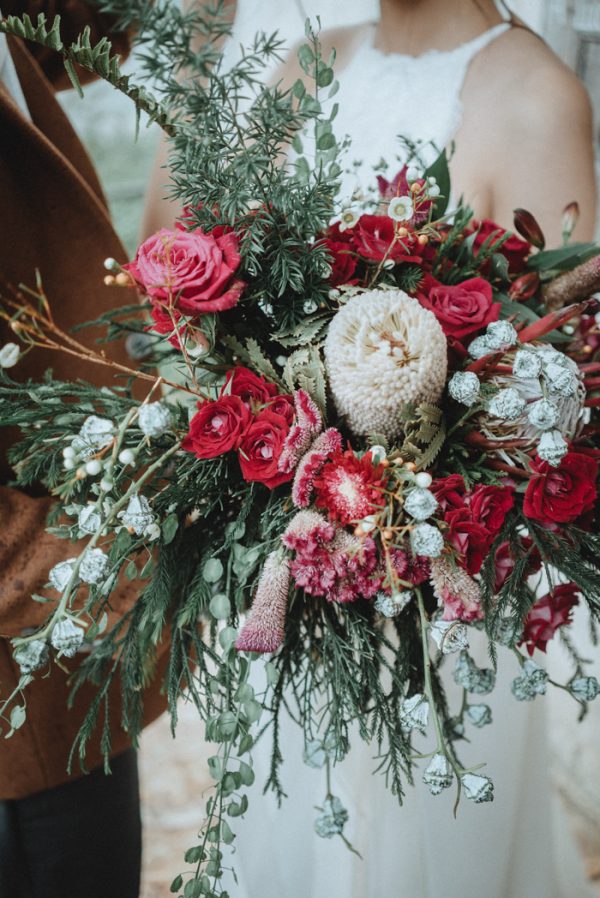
456,590
308,424
264,630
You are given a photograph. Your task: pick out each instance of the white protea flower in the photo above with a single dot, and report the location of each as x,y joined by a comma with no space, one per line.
438,775
61,574
393,605
94,566
426,540
89,519
564,412
382,351
96,433
420,504
30,656
449,636
414,712
477,788
66,637
464,387
552,447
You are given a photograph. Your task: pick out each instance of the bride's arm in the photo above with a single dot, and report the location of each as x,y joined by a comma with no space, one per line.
538,148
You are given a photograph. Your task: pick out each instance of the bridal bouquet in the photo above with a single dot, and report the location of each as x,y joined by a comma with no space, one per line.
368,442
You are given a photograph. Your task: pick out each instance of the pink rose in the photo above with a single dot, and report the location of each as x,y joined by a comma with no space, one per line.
189,270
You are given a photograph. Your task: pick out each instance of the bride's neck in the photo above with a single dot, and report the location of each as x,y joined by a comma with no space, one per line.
415,26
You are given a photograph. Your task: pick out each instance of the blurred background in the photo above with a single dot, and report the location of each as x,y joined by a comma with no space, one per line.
174,774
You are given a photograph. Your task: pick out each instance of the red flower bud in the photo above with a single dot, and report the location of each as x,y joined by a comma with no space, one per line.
570,217
528,228
524,287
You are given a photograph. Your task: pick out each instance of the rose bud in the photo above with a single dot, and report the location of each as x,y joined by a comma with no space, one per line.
524,287
528,228
570,217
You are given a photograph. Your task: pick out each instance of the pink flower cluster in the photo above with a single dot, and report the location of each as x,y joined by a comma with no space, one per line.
331,562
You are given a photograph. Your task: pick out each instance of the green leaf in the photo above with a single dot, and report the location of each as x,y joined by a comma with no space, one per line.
131,571
226,834
18,716
440,171
73,77
212,570
220,606
326,142
227,637
562,259
193,889
169,528
247,774
306,57
176,884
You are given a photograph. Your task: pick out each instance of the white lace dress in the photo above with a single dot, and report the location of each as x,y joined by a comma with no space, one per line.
508,849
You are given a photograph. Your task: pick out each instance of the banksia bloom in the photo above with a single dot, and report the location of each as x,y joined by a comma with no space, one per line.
325,445
309,422
382,351
456,590
264,630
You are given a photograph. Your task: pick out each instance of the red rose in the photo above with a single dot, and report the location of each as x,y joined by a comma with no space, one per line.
261,447
562,494
548,614
343,262
449,491
190,270
505,561
474,526
461,309
283,405
217,427
373,235
514,249
252,389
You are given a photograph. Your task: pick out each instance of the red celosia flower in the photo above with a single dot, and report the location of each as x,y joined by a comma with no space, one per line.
548,614
350,487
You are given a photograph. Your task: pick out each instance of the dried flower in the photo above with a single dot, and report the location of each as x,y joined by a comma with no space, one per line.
473,678
383,350
543,414
154,419
507,405
552,447
527,364
61,574
94,566
479,715
464,386
438,775
333,819
420,504
264,631
500,335
89,519
138,515
477,788
306,428
532,682
449,636
584,688
95,434
414,712
426,540
30,656
66,637
392,605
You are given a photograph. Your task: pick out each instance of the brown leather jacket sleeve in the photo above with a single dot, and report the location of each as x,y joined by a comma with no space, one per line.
74,15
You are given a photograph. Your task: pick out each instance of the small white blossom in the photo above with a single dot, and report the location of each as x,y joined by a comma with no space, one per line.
126,456
412,174
532,682
93,467
95,433
527,364
30,656
423,480
438,775
477,788
426,540
449,636
433,191
61,573
392,605
309,306
464,386
414,712
420,504
9,355
94,566
507,404
89,519
315,754
348,218
66,637
543,414
401,208
552,447
154,419
501,335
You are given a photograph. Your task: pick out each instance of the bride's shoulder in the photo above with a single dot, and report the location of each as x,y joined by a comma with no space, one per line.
530,84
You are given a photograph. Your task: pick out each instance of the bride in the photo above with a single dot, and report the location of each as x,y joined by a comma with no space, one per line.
442,72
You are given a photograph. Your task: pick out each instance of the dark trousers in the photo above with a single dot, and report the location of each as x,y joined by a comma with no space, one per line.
78,840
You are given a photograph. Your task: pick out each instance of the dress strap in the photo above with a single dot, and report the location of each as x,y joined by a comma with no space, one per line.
472,48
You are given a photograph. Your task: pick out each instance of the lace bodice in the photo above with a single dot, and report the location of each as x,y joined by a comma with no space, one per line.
386,96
